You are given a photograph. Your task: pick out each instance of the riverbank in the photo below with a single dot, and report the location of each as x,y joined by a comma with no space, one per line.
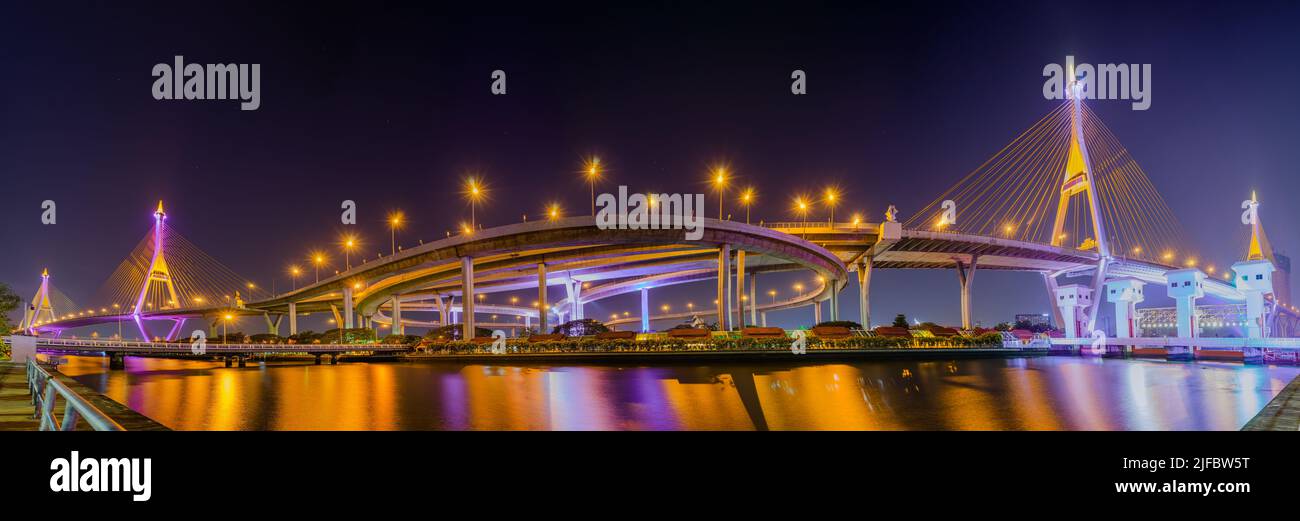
820,355
16,410
1281,414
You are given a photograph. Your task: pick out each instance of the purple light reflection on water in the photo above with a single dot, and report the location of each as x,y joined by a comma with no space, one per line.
1044,393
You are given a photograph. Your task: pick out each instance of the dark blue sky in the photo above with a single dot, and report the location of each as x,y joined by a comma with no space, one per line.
390,107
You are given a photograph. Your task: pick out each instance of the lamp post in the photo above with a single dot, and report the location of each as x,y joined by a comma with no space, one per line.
475,191
224,323
593,173
395,221
293,274
747,198
349,242
720,182
801,206
832,196
317,259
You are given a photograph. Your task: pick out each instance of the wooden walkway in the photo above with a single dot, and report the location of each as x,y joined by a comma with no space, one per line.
16,404
1281,414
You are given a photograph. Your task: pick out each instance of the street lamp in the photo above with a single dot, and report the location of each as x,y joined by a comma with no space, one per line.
720,183
119,321
349,242
317,258
553,211
593,172
227,320
801,206
772,293
747,198
475,191
395,221
832,196
798,287
293,274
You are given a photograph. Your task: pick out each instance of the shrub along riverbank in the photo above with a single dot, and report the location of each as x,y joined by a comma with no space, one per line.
593,345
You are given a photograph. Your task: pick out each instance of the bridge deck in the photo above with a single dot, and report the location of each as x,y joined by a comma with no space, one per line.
16,404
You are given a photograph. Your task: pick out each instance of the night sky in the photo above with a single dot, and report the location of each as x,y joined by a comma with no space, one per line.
390,107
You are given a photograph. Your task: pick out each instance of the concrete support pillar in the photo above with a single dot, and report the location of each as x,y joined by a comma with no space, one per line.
1125,294
1098,281
467,296
763,318
1073,300
1049,282
1255,279
645,310
541,298
573,289
1185,287
180,322
443,314
835,300
347,307
817,312
293,318
966,276
272,324
740,288
864,292
398,328
724,287
753,299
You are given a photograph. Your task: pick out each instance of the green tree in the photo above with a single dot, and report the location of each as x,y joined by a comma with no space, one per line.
900,320
9,301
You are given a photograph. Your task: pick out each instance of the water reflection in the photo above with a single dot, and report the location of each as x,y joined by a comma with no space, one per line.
1048,393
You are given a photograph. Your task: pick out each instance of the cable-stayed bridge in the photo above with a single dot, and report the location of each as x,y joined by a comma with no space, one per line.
1063,199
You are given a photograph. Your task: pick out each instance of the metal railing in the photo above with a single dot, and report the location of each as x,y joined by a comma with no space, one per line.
93,344
46,390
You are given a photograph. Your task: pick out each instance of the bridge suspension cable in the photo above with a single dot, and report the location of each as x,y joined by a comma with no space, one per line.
1016,194
198,279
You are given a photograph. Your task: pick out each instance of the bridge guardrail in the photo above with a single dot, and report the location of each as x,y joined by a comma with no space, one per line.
1201,342
46,389
85,344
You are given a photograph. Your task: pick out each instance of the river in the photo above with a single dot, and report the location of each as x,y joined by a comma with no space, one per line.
1036,393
